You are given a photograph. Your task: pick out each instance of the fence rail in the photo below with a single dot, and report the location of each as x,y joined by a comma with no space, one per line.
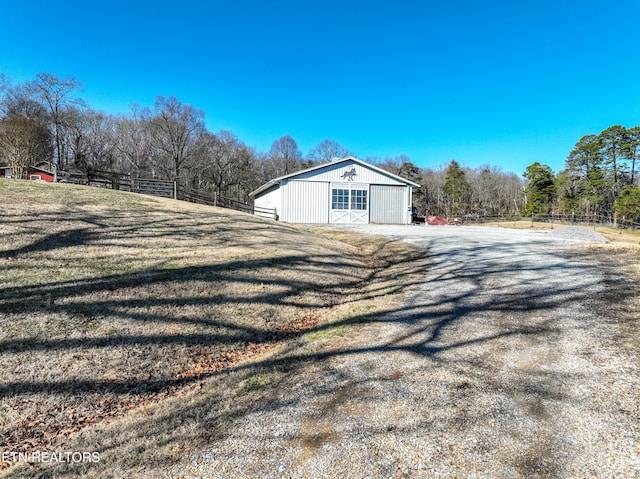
577,219
162,188
119,181
222,201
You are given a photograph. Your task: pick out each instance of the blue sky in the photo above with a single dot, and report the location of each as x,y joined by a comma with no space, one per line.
503,83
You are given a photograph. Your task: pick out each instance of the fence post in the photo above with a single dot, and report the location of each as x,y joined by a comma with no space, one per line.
175,190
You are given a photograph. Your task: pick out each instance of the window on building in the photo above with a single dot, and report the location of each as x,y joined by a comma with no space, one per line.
349,197
358,199
340,199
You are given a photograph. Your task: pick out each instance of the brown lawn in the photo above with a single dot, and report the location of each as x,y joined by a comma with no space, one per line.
136,327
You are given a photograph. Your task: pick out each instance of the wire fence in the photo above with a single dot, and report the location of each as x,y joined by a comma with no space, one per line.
573,219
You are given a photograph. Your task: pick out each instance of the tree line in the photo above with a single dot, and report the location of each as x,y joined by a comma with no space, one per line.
600,179
45,119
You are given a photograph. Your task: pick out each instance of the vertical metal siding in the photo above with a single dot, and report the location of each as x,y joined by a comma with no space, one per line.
305,202
270,199
387,204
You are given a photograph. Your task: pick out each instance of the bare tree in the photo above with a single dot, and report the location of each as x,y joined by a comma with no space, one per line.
433,188
392,164
492,191
174,129
75,134
511,197
19,102
90,138
133,145
284,157
5,84
23,142
327,150
55,94
227,165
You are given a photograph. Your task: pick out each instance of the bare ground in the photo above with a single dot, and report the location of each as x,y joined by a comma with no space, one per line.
517,358
128,324
262,350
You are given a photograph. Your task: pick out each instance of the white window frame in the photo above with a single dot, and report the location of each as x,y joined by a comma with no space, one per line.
350,214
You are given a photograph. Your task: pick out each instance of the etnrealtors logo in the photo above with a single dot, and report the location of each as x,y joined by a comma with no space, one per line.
49,456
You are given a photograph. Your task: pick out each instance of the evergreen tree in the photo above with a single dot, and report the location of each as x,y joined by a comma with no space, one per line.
540,189
633,151
411,172
457,189
585,166
628,204
614,143
597,169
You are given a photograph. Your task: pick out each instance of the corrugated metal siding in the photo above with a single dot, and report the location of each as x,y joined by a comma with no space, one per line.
305,202
388,204
272,198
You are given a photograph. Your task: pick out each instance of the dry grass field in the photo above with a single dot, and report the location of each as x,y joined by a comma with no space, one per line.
135,327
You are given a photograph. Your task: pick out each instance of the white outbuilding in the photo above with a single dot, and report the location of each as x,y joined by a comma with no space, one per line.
346,190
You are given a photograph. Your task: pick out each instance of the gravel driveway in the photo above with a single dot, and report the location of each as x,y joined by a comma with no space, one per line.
505,364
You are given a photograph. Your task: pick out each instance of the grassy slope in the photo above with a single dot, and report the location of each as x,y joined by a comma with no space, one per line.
137,327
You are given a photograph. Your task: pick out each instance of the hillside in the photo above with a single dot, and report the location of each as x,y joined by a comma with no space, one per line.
131,326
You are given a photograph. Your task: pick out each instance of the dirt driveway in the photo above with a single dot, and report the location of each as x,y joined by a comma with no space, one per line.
509,362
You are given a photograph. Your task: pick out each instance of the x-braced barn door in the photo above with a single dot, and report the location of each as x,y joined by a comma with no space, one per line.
349,203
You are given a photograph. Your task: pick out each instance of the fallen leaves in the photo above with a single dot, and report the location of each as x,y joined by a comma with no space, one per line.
227,359
210,365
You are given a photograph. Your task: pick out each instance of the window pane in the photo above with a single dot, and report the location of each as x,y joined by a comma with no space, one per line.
359,199
339,199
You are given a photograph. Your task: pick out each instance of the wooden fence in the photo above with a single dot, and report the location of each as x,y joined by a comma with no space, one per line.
162,188
215,199
119,181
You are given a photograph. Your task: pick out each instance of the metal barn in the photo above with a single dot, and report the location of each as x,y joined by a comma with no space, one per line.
347,190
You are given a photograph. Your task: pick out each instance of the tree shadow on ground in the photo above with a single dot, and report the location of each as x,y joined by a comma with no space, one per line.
462,305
